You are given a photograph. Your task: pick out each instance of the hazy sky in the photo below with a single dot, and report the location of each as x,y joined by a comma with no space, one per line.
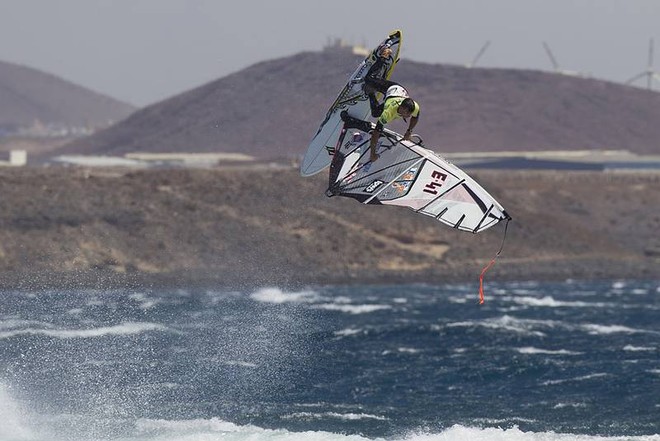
142,51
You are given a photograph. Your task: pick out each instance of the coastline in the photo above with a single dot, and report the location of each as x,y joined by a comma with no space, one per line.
121,227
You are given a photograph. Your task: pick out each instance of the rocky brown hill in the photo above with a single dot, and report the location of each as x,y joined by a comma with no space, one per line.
28,95
237,227
273,109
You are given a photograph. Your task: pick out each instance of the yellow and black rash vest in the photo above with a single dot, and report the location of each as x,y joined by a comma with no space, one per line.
393,98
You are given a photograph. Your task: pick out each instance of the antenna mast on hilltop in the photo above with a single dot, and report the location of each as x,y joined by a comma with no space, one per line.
649,73
479,54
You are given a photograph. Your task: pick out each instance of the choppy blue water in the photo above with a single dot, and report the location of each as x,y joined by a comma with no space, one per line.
538,361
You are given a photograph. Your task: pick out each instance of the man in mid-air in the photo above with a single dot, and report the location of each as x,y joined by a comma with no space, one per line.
396,103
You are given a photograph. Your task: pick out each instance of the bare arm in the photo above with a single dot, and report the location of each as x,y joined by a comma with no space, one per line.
411,126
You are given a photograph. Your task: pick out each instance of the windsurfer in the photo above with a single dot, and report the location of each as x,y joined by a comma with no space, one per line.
397,104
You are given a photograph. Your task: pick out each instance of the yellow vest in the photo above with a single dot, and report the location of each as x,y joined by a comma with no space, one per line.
390,110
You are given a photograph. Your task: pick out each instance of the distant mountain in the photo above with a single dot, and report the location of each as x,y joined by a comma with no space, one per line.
273,108
29,96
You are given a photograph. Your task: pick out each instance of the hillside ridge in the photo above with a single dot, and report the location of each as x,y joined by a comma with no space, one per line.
273,108
29,96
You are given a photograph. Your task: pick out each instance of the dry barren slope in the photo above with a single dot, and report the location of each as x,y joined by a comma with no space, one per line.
273,109
273,227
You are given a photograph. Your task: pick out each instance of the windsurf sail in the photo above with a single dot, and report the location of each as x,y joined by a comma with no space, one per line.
409,175
351,99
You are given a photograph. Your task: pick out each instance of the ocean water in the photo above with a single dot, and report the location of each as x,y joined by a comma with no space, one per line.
537,362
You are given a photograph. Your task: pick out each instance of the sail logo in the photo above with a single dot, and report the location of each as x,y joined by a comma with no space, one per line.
401,187
437,179
374,185
410,174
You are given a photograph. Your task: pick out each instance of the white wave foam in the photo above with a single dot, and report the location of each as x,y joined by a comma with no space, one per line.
612,329
460,300
503,421
13,427
144,300
347,332
582,378
128,328
509,323
277,296
213,425
215,429
549,301
573,405
461,433
632,348
352,309
532,350
402,350
409,350
334,415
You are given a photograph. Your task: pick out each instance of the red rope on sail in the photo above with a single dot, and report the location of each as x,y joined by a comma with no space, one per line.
481,280
491,263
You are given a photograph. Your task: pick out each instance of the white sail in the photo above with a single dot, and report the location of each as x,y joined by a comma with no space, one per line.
409,175
352,99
